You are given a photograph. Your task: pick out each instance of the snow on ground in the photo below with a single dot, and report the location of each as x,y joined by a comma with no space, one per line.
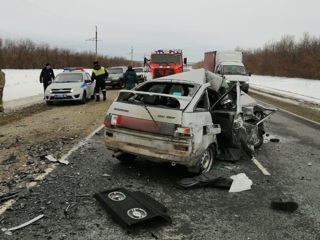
297,88
25,83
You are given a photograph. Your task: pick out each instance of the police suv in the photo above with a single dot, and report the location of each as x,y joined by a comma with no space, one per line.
73,84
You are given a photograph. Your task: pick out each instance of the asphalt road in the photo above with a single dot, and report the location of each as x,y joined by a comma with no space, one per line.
200,213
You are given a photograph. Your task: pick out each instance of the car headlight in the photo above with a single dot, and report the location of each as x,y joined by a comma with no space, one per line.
50,91
71,90
247,82
227,81
114,78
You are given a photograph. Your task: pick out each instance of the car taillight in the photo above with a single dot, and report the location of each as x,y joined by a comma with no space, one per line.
112,120
183,131
116,120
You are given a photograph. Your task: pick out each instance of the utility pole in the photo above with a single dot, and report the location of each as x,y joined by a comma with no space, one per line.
131,55
95,39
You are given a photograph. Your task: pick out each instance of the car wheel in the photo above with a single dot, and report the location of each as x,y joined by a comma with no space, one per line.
207,159
121,84
84,98
259,140
49,103
126,158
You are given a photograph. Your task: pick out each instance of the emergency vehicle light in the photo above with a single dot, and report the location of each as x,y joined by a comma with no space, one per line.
73,69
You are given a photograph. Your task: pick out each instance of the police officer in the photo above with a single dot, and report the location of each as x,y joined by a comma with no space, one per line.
130,78
99,74
46,76
2,83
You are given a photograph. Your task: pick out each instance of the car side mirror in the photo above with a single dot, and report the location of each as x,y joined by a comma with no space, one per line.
249,73
185,61
87,81
219,72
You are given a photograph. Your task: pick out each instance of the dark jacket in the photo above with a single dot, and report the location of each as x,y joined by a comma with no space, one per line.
46,75
130,77
99,73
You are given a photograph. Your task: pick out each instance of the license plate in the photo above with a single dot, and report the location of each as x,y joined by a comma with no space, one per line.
108,81
60,95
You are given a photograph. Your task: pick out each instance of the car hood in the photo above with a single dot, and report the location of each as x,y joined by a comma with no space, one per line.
115,74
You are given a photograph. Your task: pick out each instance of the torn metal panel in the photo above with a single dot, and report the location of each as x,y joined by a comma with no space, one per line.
131,208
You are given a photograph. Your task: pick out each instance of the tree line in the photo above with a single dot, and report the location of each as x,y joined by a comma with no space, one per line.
26,54
284,58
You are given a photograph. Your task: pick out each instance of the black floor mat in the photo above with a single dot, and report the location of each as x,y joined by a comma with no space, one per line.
206,179
131,208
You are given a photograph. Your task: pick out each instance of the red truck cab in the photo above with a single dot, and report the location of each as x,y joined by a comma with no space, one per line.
164,63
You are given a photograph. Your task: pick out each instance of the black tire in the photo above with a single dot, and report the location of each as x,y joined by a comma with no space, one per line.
126,158
92,97
258,143
49,103
84,98
121,83
207,159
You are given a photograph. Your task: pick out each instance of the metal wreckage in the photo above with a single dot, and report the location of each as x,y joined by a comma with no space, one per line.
190,119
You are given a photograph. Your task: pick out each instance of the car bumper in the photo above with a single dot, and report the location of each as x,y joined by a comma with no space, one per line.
113,82
151,146
63,97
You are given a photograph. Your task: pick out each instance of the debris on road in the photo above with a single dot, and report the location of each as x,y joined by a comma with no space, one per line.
274,140
287,206
131,208
240,183
206,179
309,164
52,159
11,159
9,231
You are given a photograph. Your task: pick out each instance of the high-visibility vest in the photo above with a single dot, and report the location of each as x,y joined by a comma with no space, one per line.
99,72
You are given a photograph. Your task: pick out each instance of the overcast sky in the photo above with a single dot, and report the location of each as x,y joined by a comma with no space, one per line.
147,25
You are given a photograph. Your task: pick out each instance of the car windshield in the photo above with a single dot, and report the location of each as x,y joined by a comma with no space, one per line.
234,70
169,88
115,70
69,77
165,58
138,70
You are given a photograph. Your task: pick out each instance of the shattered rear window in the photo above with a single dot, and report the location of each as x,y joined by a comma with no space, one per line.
175,89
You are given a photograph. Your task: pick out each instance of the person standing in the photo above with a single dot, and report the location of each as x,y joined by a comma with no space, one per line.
100,74
130,78
46,76
2,83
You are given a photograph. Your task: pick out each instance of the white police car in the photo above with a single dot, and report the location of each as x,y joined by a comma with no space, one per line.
73,84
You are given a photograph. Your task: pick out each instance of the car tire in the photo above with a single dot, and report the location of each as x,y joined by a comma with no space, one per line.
84,98
49,103
121,83
126,158
206,160
92,97
259,141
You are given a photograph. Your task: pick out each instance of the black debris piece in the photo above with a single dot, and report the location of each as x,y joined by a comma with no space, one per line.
131,208
274,140
208,179
287,206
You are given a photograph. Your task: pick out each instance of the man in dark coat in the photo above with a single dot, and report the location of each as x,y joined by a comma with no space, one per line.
46,76
100,74
130,78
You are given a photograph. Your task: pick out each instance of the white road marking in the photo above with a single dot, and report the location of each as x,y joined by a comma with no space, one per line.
259,165
9,203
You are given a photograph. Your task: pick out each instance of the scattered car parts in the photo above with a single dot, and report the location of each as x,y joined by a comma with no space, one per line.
130,209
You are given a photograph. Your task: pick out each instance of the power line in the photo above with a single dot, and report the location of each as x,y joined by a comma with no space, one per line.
95,39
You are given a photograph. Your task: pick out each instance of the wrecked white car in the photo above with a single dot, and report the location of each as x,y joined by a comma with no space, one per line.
182,119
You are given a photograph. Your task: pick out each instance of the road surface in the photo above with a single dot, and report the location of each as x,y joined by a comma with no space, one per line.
200,213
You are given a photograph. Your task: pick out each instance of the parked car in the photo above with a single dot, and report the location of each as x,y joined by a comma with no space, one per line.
140,73
186,119
73,84
115,78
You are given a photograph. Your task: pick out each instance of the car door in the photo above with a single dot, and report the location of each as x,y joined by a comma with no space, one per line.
90,86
